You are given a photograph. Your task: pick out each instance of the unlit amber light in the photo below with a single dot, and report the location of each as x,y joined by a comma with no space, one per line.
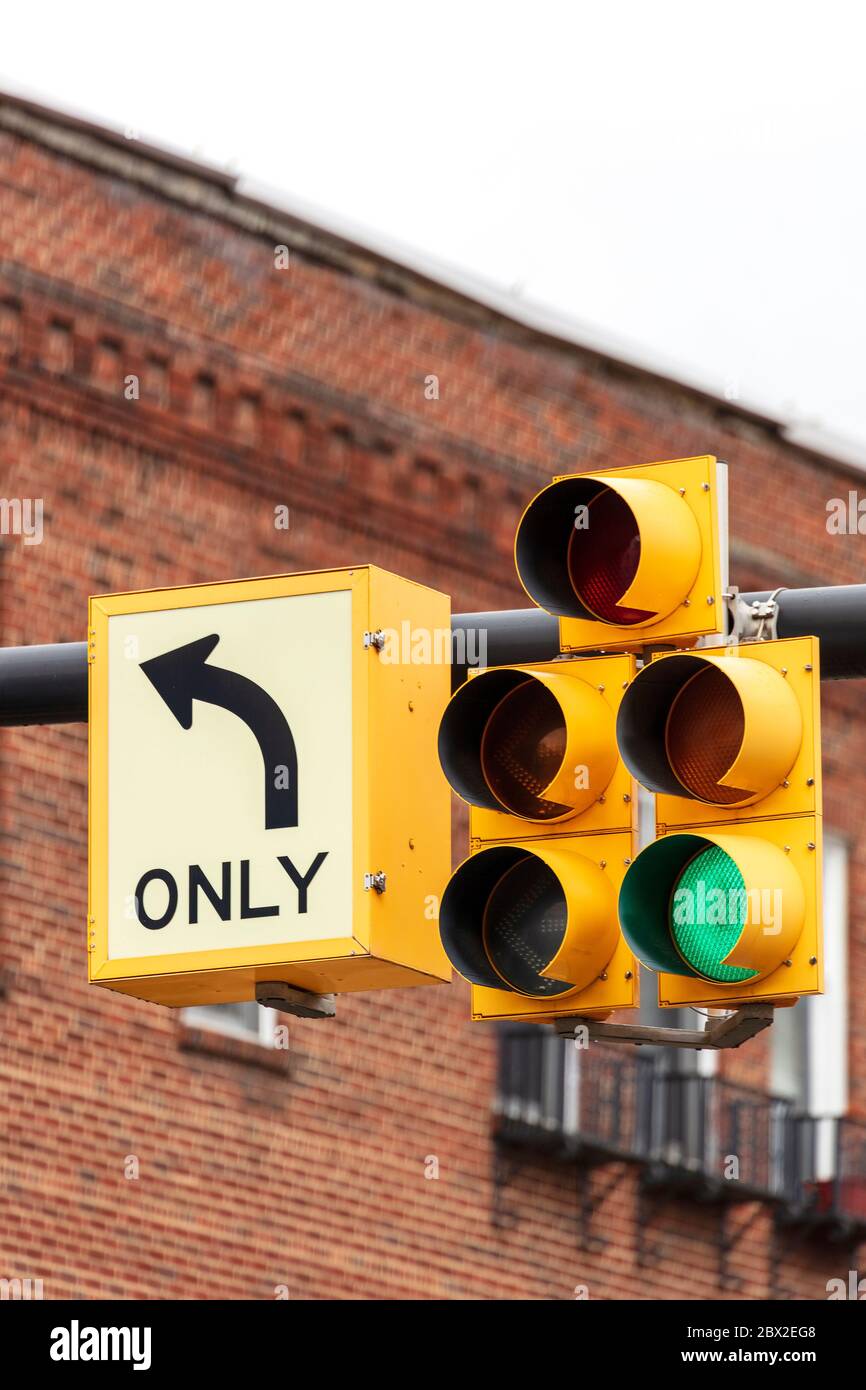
522,750
704,735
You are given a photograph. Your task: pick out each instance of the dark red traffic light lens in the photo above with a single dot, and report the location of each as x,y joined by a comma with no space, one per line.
603,557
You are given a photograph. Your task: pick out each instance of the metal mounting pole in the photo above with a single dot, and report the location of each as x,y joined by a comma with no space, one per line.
44,685
836,615
509,638
48,685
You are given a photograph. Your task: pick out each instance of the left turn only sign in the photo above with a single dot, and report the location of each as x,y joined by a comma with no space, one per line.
265,796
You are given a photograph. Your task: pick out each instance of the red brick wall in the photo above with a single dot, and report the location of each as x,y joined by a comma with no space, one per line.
306,387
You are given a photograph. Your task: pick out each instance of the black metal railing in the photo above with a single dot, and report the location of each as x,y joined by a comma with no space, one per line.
826,1181
547,1094
687,1130
530,1097
732,1138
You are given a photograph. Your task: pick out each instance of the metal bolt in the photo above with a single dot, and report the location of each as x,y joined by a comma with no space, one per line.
625,685
602,799
808,666
411,844
710,600
811,844
629,975
411,704
786,783
810,781
787,849
626,861
682,492
705,486
603,975
813,960
601,688
788,962
626,796
687,603
603,863
784,670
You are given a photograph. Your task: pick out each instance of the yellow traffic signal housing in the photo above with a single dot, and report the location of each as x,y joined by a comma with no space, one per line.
628,557
726,904
529,919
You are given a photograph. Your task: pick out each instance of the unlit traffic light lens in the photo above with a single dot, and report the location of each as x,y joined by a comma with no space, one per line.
603,557
534,744
704,735
721,728
509,915
524,927
522,748
708,911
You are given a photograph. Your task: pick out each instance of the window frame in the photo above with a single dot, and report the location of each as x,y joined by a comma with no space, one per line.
210,1019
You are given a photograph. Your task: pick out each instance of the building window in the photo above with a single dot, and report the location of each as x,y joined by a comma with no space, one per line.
247,1022
810,1041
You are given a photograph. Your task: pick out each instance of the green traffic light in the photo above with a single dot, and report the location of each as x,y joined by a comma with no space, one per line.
708,910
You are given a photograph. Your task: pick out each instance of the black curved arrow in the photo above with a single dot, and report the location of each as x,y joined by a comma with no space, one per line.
182,675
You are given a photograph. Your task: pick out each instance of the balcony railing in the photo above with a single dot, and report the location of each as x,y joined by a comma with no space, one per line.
826,1179
701,1133
728,1139
548,1097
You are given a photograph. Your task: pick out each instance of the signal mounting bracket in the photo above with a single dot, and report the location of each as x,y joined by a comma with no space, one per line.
290,999
720,1033
752,622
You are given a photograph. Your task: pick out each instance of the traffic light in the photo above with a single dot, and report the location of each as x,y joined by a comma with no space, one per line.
530,919
726,903
628,557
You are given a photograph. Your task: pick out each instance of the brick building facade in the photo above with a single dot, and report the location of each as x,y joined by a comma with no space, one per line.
404,423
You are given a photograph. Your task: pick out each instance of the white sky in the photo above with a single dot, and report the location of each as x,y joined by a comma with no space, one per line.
685,178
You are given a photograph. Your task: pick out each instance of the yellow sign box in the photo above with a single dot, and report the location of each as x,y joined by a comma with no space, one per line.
266,803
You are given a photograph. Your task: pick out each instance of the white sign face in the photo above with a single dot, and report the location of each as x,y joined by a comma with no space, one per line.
230,775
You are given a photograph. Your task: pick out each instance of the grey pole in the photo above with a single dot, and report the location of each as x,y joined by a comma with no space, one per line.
837,615
48,685
512,637
44,685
